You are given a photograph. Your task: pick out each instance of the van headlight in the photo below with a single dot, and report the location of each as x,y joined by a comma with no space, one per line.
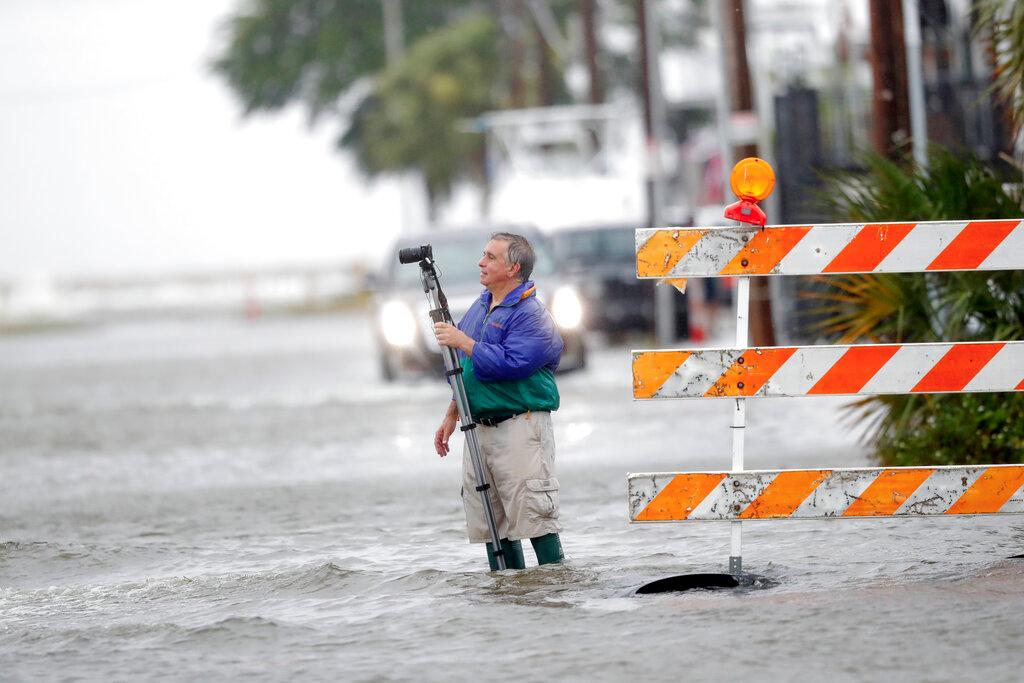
397,323
567,308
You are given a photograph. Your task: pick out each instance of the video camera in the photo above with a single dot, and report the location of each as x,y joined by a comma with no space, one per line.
415,254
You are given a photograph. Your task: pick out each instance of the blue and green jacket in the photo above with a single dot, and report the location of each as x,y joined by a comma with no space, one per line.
512,369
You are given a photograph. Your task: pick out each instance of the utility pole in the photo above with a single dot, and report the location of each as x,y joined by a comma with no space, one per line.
511,14
394,48
545,68
915,81
741,99
596,91
890,107
595,86
741,95
394,40
650,92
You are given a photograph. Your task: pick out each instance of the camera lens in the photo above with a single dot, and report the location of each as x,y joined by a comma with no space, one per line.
414,254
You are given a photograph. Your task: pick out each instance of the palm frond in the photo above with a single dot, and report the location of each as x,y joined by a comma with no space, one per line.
898,308
1003,22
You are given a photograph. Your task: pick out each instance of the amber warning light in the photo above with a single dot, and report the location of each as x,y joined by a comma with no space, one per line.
752,180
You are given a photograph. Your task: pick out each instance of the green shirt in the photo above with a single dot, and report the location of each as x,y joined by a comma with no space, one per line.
536,393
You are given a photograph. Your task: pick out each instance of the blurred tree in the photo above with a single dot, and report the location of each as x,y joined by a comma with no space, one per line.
330,56
313,51
413,117
535,50
679,23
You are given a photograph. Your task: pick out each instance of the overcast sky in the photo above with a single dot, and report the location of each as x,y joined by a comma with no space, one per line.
120,153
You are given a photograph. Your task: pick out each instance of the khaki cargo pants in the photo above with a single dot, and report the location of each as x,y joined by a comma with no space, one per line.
518,457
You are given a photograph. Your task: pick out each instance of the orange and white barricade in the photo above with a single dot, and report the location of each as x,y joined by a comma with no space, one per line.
830,249
742,372
867,369
831,493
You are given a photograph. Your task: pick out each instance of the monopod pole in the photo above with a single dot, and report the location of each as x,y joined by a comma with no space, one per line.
439,313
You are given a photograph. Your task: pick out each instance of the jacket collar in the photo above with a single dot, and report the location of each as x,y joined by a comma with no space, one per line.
523,291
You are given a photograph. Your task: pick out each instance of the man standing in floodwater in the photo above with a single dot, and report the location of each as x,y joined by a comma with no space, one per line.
509,347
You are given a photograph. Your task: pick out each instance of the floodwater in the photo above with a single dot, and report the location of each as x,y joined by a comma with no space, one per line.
216,499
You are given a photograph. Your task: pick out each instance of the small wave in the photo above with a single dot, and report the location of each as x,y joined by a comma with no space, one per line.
33,639
325,577
33,556
438,581
235,628
232,629
28,603
53,561
21,546
552,586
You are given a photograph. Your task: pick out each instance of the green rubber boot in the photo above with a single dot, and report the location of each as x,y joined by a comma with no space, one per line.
548,548
513,555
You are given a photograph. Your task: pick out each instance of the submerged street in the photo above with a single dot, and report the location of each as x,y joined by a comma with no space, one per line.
217,497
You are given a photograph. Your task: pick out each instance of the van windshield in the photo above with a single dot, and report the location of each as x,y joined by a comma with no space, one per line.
456,258
599,245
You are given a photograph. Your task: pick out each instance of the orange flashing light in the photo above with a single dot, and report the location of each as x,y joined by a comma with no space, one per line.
752,180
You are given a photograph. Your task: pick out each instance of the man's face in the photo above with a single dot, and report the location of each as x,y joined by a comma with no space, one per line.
495,273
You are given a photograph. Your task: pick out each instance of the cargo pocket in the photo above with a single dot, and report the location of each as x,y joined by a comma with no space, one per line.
542,498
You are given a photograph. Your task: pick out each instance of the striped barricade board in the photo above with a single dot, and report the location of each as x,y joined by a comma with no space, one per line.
827,493
866,369
830,249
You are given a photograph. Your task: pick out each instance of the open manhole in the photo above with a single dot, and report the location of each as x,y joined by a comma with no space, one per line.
686,582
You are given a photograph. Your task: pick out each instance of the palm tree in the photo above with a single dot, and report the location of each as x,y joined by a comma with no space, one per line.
411,119
985,306
1003,21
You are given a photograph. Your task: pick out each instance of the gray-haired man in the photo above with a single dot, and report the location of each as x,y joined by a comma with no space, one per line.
509,349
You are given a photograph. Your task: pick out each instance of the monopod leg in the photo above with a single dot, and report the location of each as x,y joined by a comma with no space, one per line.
439,313
482,485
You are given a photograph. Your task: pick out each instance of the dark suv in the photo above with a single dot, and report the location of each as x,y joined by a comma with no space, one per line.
404,333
